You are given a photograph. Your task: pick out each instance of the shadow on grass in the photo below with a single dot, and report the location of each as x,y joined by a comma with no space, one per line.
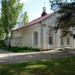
64,66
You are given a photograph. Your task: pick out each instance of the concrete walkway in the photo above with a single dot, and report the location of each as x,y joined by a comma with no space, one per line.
4,52
11,58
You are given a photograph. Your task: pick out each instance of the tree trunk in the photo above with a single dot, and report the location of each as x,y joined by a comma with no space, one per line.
7,41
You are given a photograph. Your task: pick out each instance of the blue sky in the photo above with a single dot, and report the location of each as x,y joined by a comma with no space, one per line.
35,7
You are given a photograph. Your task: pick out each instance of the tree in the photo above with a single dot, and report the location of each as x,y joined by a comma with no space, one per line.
25,18
67,11
2,34
9,14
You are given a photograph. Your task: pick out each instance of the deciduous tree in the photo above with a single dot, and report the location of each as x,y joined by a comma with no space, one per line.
25,18
9,14
67,8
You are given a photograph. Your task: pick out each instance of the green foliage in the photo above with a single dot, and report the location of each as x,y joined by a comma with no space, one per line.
24,49
2,43
10,13
67,20
67,12
25,18
64,66
2,34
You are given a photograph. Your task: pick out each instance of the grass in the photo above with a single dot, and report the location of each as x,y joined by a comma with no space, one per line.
64,66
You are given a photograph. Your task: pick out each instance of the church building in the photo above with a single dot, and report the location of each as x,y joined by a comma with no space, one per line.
41,33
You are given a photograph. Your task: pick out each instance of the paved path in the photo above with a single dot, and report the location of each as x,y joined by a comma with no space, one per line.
4,52
11,58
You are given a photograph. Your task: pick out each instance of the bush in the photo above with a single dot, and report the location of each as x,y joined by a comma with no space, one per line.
2,43
24,49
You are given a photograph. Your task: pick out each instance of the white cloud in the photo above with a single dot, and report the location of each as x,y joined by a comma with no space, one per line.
24,1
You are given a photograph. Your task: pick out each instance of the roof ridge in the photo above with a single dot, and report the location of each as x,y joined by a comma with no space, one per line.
35,21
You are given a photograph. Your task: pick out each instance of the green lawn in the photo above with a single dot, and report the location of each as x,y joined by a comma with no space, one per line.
64,66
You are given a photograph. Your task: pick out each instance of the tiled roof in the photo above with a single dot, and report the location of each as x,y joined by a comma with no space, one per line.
35,21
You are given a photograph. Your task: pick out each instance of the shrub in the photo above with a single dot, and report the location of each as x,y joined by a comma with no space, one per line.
2,43
23,49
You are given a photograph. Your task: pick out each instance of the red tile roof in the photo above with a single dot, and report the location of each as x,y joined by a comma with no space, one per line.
34,21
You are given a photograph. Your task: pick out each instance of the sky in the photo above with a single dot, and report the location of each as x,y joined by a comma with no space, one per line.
34,8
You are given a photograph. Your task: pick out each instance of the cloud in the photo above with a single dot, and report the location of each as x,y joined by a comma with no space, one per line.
24,1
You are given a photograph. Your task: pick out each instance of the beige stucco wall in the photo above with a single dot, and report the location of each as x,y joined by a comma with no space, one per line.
51,21
14,41
73,31
65,41
45,24
26,35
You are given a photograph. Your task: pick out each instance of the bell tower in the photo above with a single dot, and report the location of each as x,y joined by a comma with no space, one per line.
44,11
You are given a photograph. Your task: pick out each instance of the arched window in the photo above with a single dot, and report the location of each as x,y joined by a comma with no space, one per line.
35,38
50,37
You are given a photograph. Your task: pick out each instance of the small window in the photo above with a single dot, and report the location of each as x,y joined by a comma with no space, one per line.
50,40
74,36
68,42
